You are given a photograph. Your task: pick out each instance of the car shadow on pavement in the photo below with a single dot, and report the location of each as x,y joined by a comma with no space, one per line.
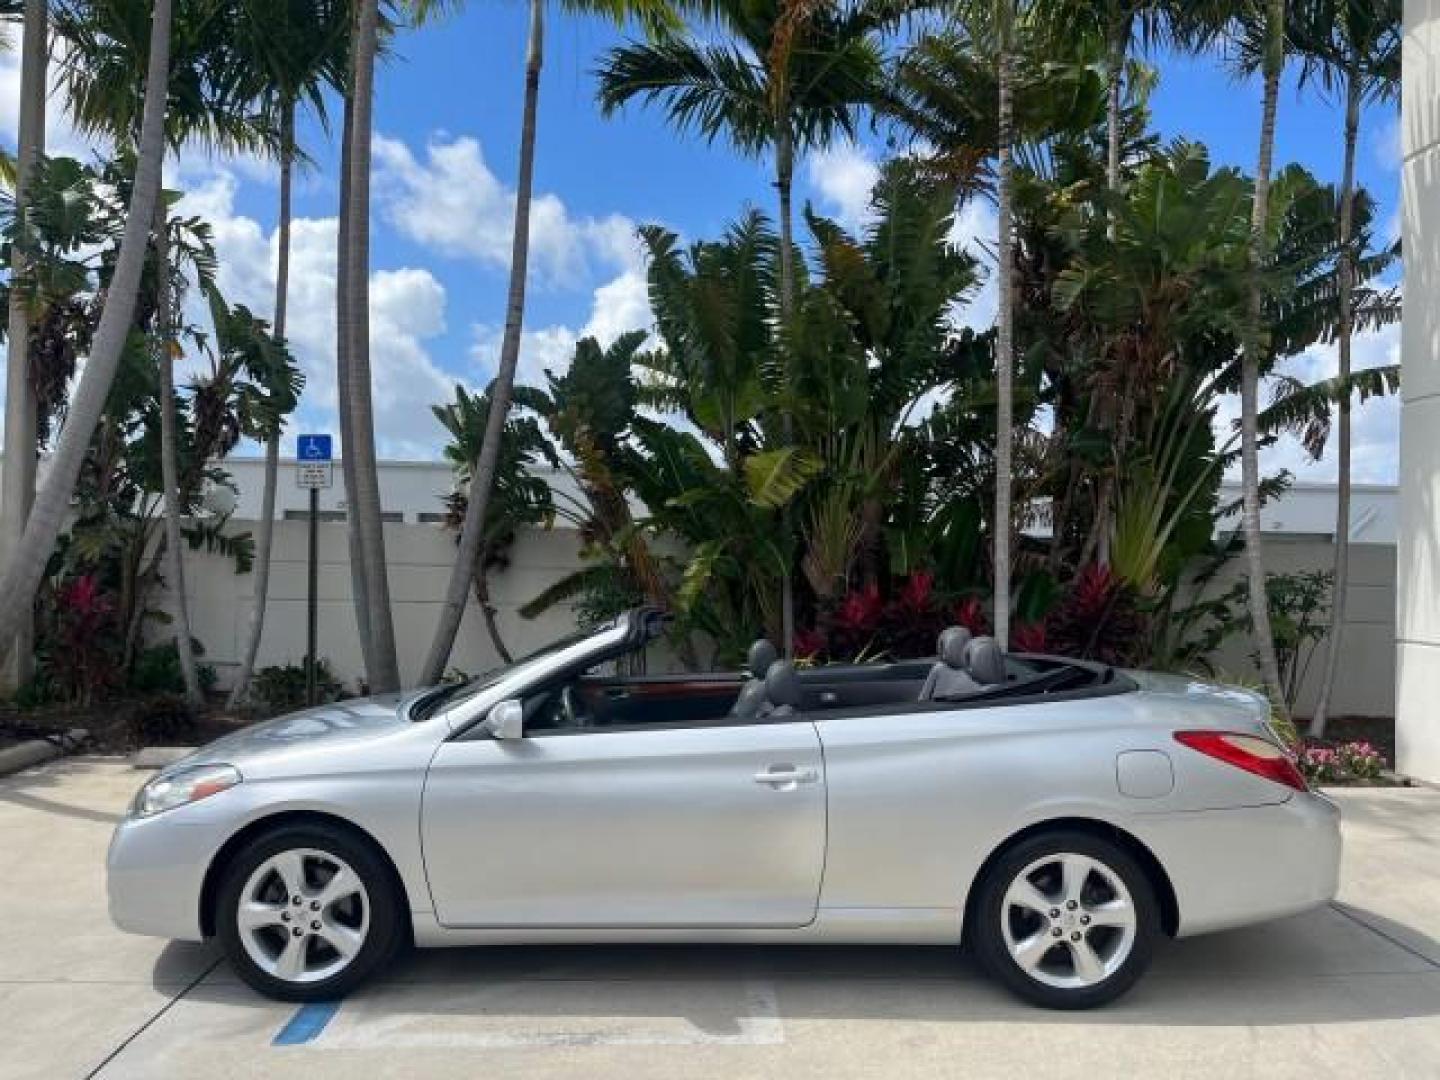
1330,965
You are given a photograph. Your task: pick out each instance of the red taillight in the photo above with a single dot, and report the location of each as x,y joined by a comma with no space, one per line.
1248,752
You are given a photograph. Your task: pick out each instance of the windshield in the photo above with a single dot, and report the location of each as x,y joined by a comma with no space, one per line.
456,693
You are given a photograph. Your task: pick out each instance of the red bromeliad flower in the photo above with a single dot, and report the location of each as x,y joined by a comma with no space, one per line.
1092,589
917,593
809,643
859,613
1028,637
970,614
82,598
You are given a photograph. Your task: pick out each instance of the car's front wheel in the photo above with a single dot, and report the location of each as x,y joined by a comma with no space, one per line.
1066,920
307,912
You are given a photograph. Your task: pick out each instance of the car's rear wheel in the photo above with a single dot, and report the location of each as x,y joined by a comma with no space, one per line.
1066,920
307,912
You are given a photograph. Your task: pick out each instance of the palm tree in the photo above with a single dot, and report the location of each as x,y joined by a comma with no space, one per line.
1353,47
362,480
26,563
792,77
212,89
301,46
1268,33
359,591
166,350
994,23
1005,322
520,497
483,475
20,400
1118,23
656,15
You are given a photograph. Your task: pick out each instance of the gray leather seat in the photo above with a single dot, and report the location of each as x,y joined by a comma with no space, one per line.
949,678
986,662
783,692
749,705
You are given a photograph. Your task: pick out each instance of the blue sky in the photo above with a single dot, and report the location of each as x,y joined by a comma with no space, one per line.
447,117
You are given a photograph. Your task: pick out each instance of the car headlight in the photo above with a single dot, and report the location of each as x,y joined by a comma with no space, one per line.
183,786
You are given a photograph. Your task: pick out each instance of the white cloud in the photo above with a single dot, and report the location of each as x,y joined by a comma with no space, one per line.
407,308
454,204
61,138
975,229
619,305
842,177
1375,424
1387,143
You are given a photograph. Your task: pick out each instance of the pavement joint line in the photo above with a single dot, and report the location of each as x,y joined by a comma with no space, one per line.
196,981
1388,937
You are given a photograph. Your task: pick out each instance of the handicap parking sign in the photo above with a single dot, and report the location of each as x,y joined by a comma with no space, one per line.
313,448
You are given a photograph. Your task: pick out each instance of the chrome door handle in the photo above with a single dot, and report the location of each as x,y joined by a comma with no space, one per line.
790,776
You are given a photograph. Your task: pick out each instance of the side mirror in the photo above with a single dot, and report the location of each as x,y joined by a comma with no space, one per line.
506,720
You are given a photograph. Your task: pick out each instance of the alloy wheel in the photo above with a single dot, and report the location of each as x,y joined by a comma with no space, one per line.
1068,921
303,915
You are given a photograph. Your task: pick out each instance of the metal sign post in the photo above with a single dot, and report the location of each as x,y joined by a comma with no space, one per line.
314,469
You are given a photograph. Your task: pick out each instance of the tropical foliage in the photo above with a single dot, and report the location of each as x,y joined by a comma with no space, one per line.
821,436
101,580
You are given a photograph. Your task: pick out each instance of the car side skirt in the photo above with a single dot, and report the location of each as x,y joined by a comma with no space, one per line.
910,926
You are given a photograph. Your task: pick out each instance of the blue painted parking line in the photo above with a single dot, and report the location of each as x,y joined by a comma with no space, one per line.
307,1023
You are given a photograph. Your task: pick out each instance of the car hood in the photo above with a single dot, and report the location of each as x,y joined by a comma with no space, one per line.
325,726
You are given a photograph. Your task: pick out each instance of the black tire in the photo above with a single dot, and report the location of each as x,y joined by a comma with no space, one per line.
987,931
384,935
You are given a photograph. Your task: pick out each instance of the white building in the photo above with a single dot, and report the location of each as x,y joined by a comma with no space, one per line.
1417,632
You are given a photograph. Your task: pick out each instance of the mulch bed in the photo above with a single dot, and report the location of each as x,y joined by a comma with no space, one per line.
121,727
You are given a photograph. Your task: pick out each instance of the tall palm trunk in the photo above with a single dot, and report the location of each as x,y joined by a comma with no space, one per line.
26,564
487,609
784,183
1353,90
170,458
1250,362
384,674
358,592
263,544
1004,356
482,476
1115,78
18,492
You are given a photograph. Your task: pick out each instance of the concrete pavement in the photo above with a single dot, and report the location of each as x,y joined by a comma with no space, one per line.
1350,990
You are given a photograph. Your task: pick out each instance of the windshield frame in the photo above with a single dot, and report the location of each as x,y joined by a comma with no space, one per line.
449,695
572,653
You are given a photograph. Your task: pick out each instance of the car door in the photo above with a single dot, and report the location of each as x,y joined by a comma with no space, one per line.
670,825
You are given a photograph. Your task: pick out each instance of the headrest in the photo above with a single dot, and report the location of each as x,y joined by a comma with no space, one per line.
782,685
986,661
952,645
761,655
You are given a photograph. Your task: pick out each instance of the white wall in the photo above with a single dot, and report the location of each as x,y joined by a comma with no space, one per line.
419,558
1417,625
1365,684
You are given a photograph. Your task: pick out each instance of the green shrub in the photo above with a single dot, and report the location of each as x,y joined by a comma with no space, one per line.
157,670
281,688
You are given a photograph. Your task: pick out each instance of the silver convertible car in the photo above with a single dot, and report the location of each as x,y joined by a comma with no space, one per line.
1058,817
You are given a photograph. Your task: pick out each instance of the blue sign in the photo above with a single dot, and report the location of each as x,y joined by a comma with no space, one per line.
313,448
